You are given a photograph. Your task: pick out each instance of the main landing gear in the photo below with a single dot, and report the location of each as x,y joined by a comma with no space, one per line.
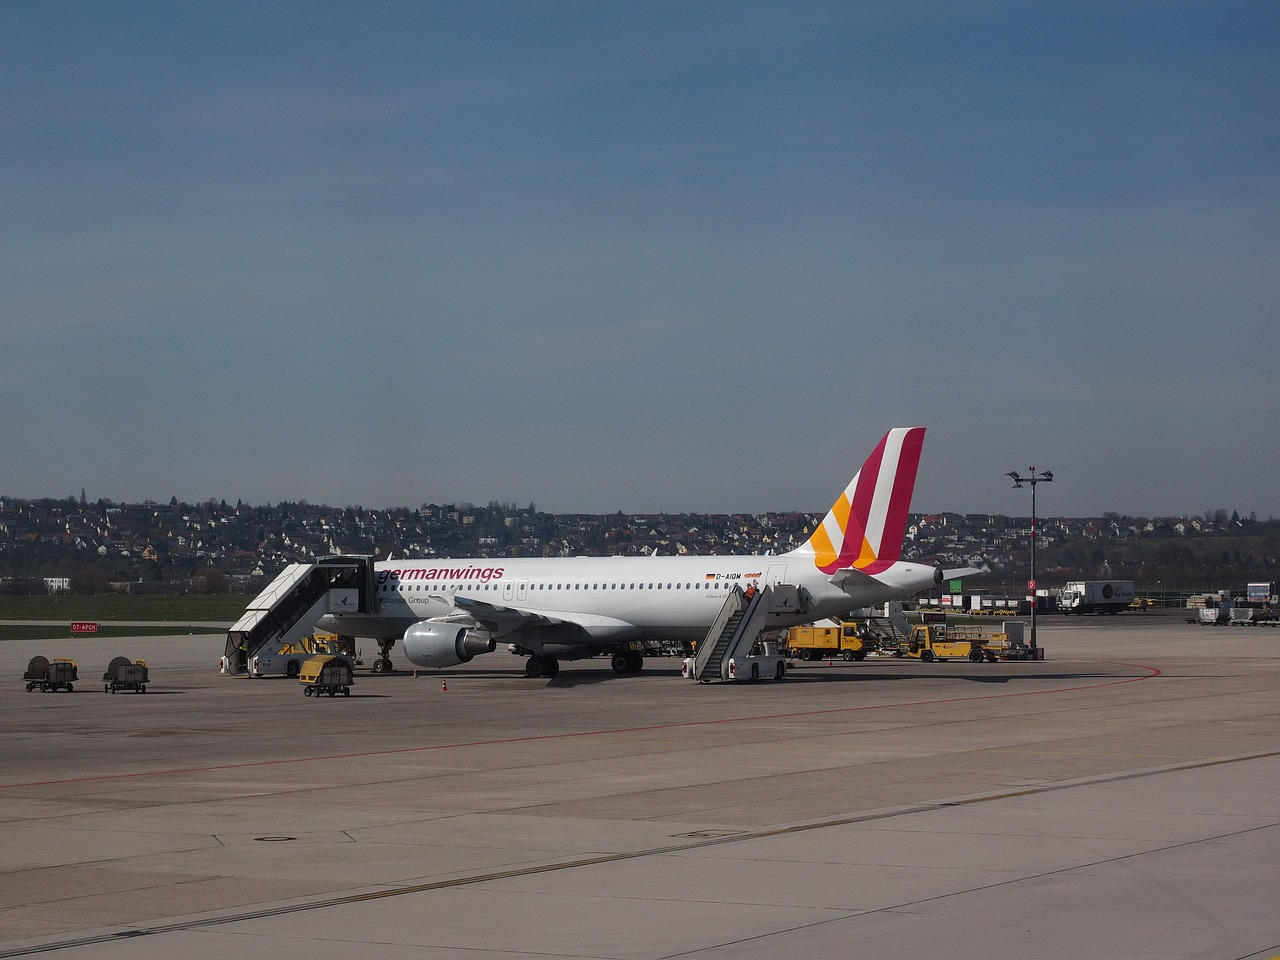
629,662
545,665
541,665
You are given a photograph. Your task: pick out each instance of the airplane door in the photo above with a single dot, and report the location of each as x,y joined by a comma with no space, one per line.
522,588
506,590
787,599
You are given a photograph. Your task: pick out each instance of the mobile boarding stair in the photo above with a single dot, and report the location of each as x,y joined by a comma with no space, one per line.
287,610
736,629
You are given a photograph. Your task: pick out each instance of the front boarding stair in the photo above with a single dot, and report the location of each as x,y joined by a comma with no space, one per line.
289,607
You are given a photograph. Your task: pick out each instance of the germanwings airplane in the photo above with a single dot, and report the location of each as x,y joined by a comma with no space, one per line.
568,608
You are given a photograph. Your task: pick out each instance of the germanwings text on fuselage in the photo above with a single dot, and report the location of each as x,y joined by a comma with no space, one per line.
483,574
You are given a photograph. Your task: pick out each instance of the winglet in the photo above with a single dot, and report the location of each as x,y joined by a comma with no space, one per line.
863,530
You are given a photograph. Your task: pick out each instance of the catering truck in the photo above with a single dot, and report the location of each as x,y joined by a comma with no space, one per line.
1096,596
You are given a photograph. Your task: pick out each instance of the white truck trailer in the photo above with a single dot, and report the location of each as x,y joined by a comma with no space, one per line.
1096,596
764,661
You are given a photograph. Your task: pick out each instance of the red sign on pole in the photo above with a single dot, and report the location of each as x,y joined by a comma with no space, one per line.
83,626
1031,584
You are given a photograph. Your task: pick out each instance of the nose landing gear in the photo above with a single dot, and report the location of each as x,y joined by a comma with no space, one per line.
383,663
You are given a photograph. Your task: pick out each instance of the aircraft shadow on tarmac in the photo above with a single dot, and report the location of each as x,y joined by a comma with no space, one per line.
976,676
569,678
149,693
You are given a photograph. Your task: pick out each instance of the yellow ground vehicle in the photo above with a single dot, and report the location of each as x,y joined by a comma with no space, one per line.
321,642
287,659
943,641
326,673
937,641
848,640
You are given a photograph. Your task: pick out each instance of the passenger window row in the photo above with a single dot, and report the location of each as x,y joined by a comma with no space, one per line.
452,587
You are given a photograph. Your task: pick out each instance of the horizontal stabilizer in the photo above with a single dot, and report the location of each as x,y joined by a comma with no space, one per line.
847,577
961,573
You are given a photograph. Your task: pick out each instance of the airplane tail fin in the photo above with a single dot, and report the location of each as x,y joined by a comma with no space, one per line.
864,529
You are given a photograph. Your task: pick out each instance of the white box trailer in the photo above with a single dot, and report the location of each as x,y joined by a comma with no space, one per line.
1096,596
764,661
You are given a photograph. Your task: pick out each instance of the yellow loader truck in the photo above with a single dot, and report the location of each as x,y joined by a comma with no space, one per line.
937,641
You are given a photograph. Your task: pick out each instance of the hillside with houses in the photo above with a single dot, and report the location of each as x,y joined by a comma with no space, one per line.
93,547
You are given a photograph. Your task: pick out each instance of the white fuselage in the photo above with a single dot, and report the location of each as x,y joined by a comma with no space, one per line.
656,597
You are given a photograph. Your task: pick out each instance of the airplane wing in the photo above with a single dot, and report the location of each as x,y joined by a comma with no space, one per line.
502,620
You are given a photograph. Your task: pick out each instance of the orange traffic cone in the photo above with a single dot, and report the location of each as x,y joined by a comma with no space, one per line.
444,684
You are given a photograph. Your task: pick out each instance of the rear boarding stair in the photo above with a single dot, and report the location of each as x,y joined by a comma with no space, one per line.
741,621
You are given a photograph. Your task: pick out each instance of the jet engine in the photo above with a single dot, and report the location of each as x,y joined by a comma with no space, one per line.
432,644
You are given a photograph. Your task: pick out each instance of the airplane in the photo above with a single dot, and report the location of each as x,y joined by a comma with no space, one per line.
445,612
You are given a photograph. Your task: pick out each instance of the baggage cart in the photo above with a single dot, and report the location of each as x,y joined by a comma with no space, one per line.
329,674
123,674
50,675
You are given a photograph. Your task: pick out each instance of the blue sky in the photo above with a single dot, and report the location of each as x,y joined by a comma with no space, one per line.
641,257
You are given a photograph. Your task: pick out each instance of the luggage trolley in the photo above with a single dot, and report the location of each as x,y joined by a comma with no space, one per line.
326,674
123,674
50,675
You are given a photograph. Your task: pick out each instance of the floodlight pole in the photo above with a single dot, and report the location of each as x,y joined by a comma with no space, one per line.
1044,476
